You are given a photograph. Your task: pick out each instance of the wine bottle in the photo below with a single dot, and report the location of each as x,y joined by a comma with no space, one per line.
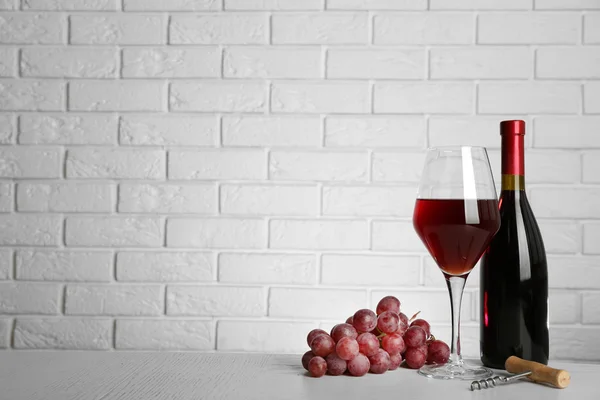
514,271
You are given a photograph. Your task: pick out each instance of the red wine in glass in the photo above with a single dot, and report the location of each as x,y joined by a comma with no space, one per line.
454,244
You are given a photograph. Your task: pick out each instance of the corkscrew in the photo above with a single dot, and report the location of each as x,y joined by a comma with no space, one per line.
534,371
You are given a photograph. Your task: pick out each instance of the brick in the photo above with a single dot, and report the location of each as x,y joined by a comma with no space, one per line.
167,198
6,265
529,97
529,28
8,62
589,308
32,28
218,164
424,28
368,270
263,336
320,98
563,307
419,98
369,201
116,95
164,335
164,266
61,265
79,5
376,64
221,29
218,96
397,236
560,237
115,163
114,231
283,269
29,230
63,62
318,166
591,28
433,304
29,95
574,343
375,131
434,277
315,303
64,197
63,333
318,234
29,298
591,166
397,167
493,62
97,129
114,299
8,5
591,97
272,62
7,197
566,132
8,130
570,5
252,5
174,62
475,130
269,200
171,5
5,325
476,5
117,29
166,129
561,203
272,131
570,63
28,162
214,301
573,272
376,4
553,167
216,233
320,28
591,233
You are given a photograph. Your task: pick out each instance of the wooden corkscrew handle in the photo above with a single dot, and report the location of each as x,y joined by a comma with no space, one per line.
539,372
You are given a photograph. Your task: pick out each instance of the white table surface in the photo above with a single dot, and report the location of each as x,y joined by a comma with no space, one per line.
153,375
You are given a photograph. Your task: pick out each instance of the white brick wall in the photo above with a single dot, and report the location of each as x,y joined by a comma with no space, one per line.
229,174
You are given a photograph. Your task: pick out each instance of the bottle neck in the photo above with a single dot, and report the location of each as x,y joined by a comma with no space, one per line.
513,163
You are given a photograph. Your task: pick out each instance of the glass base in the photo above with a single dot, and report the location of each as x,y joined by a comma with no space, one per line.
459,371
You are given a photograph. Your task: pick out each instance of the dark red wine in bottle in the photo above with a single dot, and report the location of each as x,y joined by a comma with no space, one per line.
514,272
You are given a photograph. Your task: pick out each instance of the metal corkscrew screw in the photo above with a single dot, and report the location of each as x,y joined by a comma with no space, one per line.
495,380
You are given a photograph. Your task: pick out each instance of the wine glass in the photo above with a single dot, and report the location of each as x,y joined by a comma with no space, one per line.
456,216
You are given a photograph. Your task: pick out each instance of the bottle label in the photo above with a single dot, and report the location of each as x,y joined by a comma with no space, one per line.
513,182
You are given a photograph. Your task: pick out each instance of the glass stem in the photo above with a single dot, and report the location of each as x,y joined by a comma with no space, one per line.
456,284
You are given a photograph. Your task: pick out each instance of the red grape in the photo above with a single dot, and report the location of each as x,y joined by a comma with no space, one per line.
393,343
415,357
438,352
313,334
322,345
404,318
380,362
350,319
347,348
364,320
387,322
359,365
306,359
368,344
388,303
335,365
414,337
402,328
343,330
317,366
423,324
395,361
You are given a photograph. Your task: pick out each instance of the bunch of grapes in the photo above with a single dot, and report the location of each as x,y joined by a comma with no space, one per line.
374,342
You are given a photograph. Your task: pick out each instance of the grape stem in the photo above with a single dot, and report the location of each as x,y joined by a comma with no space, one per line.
414,316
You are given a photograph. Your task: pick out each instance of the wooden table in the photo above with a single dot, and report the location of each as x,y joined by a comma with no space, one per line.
142,375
